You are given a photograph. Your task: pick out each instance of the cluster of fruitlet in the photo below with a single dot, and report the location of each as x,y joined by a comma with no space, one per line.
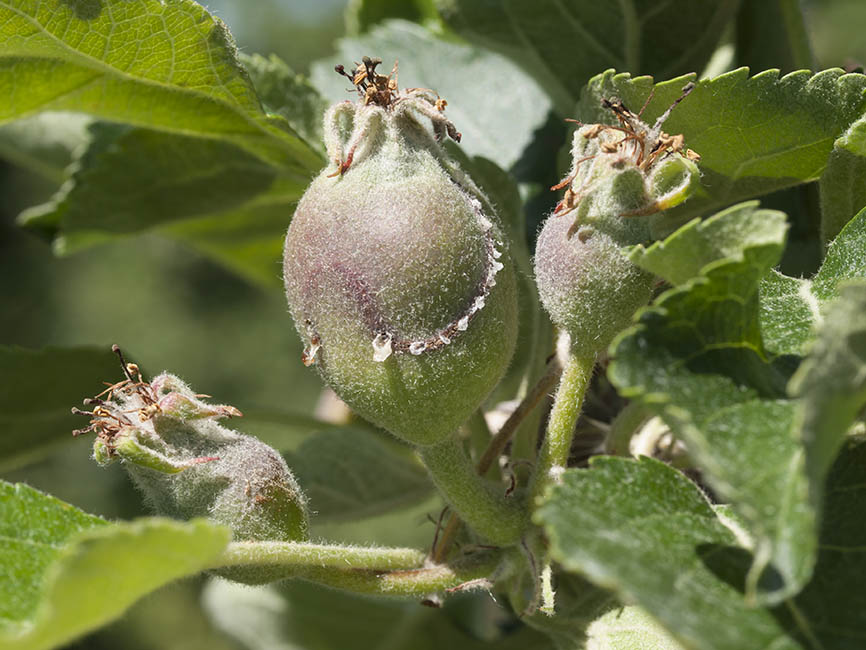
400,283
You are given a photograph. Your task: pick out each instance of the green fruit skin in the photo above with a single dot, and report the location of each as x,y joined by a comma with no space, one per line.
587,284
396,243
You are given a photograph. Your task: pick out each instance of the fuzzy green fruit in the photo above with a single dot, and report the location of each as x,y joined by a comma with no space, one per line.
188,465
396,274
587,284
619,176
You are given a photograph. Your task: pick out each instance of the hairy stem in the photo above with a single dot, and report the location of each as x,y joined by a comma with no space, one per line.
481,504
473,573
299,554
401,572
553,455
500,440
497,446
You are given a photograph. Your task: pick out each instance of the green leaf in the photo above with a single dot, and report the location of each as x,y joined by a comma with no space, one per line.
831,382
755,134
829,611
361,15
791,308
563,43
772,34
44,144
843,183
69,573
628,628
685,253
645,531
289,95
34,528
162,65
248,241
788,313
39,389
845,260
210,194
131,180
351,474
493,103
696,359
299,615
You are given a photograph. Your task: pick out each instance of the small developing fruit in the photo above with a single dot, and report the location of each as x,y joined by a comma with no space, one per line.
397,275
619,175
188,465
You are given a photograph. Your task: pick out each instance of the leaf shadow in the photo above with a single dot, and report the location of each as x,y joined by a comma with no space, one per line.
85,9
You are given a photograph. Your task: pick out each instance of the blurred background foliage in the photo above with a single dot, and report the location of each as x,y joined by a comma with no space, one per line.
172,308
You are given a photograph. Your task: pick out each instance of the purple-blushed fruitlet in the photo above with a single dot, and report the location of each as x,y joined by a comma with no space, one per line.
397,275
619,175
188,465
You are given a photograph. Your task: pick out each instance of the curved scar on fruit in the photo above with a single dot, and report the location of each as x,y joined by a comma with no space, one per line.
385,339
634,142
378,91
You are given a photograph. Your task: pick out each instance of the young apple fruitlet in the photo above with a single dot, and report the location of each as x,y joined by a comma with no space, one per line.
188,465
619,175
397,274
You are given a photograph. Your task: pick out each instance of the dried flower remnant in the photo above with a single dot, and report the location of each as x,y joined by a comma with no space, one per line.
634,145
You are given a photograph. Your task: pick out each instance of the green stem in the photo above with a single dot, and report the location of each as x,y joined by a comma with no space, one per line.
624,426
381,571
299,554
500,440
496,447
481,504
408,583
553,455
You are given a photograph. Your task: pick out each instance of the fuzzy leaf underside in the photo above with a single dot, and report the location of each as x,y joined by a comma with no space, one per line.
68,572
684,254
831,383
699,359
35,420
696,358
563,43
792,308
162,65
628,628
492,102
755,134
643,530
843,183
